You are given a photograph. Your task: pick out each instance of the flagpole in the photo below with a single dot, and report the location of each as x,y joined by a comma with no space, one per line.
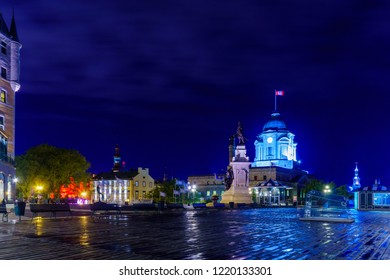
275,99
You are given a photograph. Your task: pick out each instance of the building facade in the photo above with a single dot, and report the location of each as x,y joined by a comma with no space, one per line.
375,197
120,186
9,85
275,160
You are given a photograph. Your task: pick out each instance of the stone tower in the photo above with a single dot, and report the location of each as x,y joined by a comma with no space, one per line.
9,85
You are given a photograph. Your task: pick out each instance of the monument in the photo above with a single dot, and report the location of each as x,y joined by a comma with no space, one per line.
237,174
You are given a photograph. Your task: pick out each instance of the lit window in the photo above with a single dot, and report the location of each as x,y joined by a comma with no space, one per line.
143,183
3,96
214,192
136,195
144,194
150,184
208,193
136,183
3,73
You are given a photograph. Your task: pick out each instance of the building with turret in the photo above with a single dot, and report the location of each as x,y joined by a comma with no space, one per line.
9,85
121,186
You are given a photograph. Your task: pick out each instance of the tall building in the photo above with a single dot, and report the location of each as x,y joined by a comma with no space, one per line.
9,85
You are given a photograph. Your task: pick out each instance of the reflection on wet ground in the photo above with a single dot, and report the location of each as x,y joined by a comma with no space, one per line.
206,234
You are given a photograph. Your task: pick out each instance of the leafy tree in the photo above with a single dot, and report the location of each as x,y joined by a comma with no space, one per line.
317,185
166,187
342,190
49,167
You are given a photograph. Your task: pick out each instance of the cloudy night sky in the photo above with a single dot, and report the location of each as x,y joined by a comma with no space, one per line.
169,80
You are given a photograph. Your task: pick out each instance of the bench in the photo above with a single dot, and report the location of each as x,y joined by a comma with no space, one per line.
3,210
101,207
199,205
49,208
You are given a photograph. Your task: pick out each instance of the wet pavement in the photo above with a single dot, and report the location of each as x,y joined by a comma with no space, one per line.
269,234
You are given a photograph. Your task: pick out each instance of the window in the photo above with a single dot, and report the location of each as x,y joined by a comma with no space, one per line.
265,177
255,178
3,96
143,183
214,192
382,199
2,124
136,183
136,195
3,47
150,184
208,193
269,151
3,73
144,194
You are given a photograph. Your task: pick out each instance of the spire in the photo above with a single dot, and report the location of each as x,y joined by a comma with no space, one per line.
117,160
13,32
356,179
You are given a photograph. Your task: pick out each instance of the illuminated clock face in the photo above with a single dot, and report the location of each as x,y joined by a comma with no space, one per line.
269,140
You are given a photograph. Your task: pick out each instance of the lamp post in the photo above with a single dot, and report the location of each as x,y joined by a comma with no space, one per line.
188,192
39,190
193,189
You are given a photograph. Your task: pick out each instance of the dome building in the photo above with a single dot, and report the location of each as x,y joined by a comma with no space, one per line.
275,145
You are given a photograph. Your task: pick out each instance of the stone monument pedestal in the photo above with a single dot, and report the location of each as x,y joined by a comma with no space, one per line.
239,190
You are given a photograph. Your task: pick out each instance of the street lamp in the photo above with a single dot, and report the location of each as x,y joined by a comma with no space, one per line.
327,189
193,193
39,190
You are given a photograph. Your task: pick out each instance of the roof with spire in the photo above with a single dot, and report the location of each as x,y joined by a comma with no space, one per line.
10,33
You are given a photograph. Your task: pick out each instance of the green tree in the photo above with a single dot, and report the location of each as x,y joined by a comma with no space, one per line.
317,185
49,167
165,187
342,190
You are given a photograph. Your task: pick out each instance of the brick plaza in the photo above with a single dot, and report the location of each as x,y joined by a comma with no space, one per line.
268,234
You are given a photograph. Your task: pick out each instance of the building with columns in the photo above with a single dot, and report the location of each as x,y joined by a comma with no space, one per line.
9,85
121,186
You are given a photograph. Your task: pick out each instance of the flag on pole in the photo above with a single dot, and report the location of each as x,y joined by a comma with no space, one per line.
279,92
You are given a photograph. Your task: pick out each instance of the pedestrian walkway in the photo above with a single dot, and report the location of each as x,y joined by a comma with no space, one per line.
268,234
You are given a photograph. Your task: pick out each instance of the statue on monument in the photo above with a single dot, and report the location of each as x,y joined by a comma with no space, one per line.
240,135
228,180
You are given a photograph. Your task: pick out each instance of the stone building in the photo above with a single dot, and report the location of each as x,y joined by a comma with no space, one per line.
275,159
121,186
9,85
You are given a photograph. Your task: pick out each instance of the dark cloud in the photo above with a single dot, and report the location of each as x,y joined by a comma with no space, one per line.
168,80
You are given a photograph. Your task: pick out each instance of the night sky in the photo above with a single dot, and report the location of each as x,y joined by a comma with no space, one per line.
169,80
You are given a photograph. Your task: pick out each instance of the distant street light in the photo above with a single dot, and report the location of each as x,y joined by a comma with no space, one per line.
327,189
193,193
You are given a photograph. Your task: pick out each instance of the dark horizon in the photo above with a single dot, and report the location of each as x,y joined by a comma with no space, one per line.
168,82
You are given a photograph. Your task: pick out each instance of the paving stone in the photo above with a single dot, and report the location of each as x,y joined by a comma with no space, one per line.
273,233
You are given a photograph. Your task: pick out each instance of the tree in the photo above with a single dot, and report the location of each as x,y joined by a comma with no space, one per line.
49,167
165,187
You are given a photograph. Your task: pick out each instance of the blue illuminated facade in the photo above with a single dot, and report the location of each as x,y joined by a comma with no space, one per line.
275,145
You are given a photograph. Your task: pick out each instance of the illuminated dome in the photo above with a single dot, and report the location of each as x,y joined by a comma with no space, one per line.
275,123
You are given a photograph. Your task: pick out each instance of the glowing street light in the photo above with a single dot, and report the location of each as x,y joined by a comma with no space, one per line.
193,189
327,189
